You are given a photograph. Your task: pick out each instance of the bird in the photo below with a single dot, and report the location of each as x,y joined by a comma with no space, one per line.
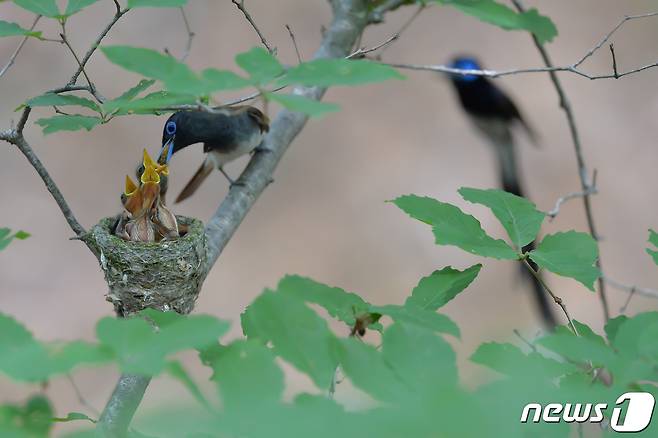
226,134
494,114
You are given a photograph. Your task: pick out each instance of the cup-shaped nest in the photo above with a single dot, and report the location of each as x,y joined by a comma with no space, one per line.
166,275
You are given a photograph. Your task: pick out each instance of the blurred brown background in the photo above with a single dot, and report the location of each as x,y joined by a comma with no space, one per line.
325,215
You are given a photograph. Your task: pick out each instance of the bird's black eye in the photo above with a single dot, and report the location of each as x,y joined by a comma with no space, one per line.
170,127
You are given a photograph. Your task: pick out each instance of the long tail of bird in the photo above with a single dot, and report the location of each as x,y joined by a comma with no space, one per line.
511,183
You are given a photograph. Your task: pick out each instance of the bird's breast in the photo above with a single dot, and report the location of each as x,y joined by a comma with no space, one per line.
243,146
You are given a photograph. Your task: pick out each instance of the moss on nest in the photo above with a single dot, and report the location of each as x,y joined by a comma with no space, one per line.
166,275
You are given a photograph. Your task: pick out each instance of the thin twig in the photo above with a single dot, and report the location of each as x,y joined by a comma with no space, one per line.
81,399
405,26
294,43
557,299
580,159
360,53
644,291
190,35
591,190
240,6
377,14
614,61
119,13
92,88
532,346
19,48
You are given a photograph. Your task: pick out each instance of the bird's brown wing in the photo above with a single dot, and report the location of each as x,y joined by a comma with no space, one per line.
197,179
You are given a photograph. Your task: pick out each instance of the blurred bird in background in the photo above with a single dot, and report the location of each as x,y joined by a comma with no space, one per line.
226,135
494,115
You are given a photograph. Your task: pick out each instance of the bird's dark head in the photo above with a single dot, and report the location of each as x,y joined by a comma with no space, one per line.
174,136
464,63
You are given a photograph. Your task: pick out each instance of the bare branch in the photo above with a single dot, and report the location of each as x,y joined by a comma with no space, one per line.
294,43
646,292
91,88
119,13
614,61
190,35
557,299
360,53
121,407
591,190
240,6
19,48
580,159
405,26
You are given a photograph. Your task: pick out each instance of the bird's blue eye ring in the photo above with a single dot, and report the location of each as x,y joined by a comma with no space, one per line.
170,128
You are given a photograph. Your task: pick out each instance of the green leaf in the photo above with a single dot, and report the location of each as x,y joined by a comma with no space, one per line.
409,350
451,226
6,237
75,6
150,103
571,254
52,99
176,370
68,123
13,29
579,348
133,92
29,421
510,360
47,8
140,349
176,76
329,72
412,314
156,3
304,105
219,80
502,16
248,375
612,327
296,332
435,290
260,64
365,367
519,217
74,416
344,306
653,239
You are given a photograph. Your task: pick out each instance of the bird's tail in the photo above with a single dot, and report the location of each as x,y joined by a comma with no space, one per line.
511,183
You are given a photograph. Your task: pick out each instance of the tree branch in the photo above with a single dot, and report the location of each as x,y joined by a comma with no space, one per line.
350,18
13,56
240,5
119,410
580,159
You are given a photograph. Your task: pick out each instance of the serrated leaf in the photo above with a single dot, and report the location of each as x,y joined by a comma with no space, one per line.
75,6
13,29
74,416
519,217
571,254
176,370
653,239
344,306
260,64
142,350
176,76
219,80
451,226
52,99
409,349
297,333
502,16
427,319
47,8
156,3
74,122
629,337
304,105
579,348
441,286
133,92
367,370
151,102
248,375
508,359
330,72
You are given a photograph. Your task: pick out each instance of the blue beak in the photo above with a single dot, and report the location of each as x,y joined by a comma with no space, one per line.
167,151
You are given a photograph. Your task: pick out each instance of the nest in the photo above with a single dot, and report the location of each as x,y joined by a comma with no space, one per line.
166,275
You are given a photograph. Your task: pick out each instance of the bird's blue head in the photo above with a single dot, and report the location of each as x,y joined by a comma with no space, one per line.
465,63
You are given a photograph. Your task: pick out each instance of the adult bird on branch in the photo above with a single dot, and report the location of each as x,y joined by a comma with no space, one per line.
494,114
226,134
